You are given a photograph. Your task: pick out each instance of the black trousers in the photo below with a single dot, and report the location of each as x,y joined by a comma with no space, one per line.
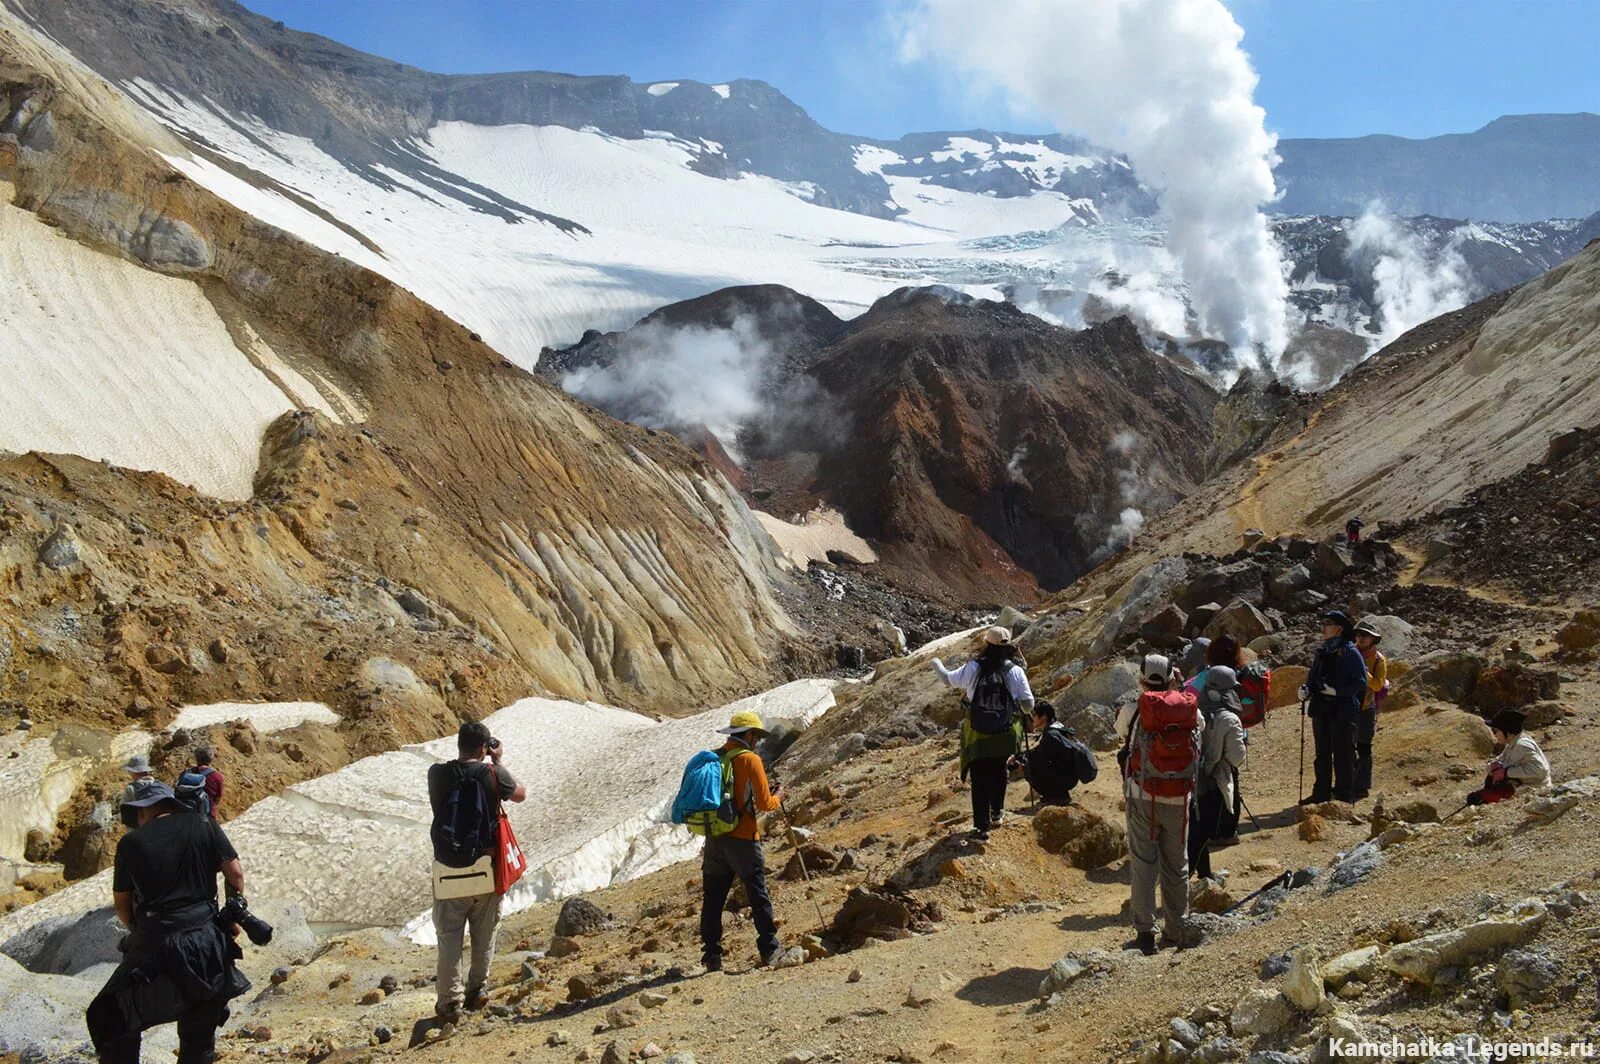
726,859
131,1003
988,778
1211,820
1366,728
1335,763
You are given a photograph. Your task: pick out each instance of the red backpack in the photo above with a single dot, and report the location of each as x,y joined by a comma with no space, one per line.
1165,744
1255,685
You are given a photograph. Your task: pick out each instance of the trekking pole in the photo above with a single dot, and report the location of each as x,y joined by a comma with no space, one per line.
1302,793
799,852
1027,753
1254,822
1464,805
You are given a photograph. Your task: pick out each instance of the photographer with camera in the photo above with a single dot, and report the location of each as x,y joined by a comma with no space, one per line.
466,794
178,958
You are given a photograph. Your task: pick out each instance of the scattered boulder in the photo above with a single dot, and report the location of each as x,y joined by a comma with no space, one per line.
1105,686
1580,636
1443,676
1085,838
1241,620
1313,828
1544,714
1209,896
625,1014
60,549
1242,579
1354,964
819,860
580,916
1095,725
1417,812
868,914
1164,629
926,989
1437,548
1423,959
1013,619
1563,796
1526,976
1282,588
1302,984
1262,1012
1286,683
1355,866
1202,615
1512,686
1330,562
1072,967
564,946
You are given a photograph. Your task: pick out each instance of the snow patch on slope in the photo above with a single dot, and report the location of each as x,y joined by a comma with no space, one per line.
108,360
661,88
264,716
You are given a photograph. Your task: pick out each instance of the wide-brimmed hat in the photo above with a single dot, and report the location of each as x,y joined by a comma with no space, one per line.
1339,617
997,636
142,793
137,764
745,720
1508,721
1368,628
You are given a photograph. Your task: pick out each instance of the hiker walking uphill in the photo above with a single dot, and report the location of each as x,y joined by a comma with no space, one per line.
177,959
200,786
137,768
733,839
1520,763
1058,762
1217,798
996,690
1161,748
466,796
1367,639
1335,688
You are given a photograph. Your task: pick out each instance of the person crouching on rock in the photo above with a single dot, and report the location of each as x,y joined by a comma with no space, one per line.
1335,688
177,963
1058,762
738,854
1161,736
1520,763
1217,799
996,689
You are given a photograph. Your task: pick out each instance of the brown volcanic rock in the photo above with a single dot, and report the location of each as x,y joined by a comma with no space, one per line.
997,450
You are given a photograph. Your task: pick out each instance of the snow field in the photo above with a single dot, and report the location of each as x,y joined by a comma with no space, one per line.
111,361
39,775
814,535
265,716
352,849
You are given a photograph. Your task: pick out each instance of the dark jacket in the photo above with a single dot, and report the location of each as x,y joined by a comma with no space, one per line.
1337,664
1052,765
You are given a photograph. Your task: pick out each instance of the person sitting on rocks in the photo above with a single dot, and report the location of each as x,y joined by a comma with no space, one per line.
996,688
1520,763
1058,762
1367,639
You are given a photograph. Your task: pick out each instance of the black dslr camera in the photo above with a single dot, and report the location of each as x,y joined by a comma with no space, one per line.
237,911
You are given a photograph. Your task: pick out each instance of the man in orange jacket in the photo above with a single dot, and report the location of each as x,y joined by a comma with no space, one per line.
738,855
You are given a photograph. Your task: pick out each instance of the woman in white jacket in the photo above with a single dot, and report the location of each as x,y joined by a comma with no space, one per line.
1222,754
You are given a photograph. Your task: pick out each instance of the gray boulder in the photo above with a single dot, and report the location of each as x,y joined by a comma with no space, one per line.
42,1014
1095,725
1262,1012
1397,633
1302,985
60,550
67,945
1331,562
1164,629
1242,579
580,916
1241,620
1422,960
1355,866
1281,588
1526,976
1107,686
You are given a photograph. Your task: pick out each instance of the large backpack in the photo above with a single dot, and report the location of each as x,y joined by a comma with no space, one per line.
1165,744
465,830
1255,686
1075,756
705,802
994,710
191,789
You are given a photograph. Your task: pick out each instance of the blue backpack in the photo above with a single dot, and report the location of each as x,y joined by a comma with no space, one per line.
705,797
466,830
191,789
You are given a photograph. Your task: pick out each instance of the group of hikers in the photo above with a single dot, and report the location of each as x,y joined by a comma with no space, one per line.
1183,742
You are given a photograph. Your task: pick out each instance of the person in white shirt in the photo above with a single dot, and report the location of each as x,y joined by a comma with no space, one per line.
1216,805
1520,763
996,690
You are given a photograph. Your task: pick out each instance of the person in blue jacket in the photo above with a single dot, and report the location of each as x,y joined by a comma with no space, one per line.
1334,690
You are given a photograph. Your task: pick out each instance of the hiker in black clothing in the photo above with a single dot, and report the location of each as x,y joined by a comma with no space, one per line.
1058,762
1352,530
996,687
177,963
1335,690
465,795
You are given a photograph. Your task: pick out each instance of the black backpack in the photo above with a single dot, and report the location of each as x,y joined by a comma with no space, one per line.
993,709
1074,756
190,790
464,830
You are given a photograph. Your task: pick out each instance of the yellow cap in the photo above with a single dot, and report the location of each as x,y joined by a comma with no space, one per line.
743,721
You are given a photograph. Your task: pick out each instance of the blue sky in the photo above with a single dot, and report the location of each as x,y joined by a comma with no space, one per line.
1328,67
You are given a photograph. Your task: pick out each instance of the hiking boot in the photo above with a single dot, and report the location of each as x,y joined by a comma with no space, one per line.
978,835
1145,942
476,1001
712,964
1313,799
791,957
447,1014
996,817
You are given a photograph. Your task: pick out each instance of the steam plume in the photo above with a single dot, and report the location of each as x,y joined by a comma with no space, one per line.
1412,282
1166,83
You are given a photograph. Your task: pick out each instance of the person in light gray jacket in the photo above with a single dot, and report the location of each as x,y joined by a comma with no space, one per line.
1222,753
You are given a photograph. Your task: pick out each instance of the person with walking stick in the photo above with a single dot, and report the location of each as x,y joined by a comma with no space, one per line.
1335,689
